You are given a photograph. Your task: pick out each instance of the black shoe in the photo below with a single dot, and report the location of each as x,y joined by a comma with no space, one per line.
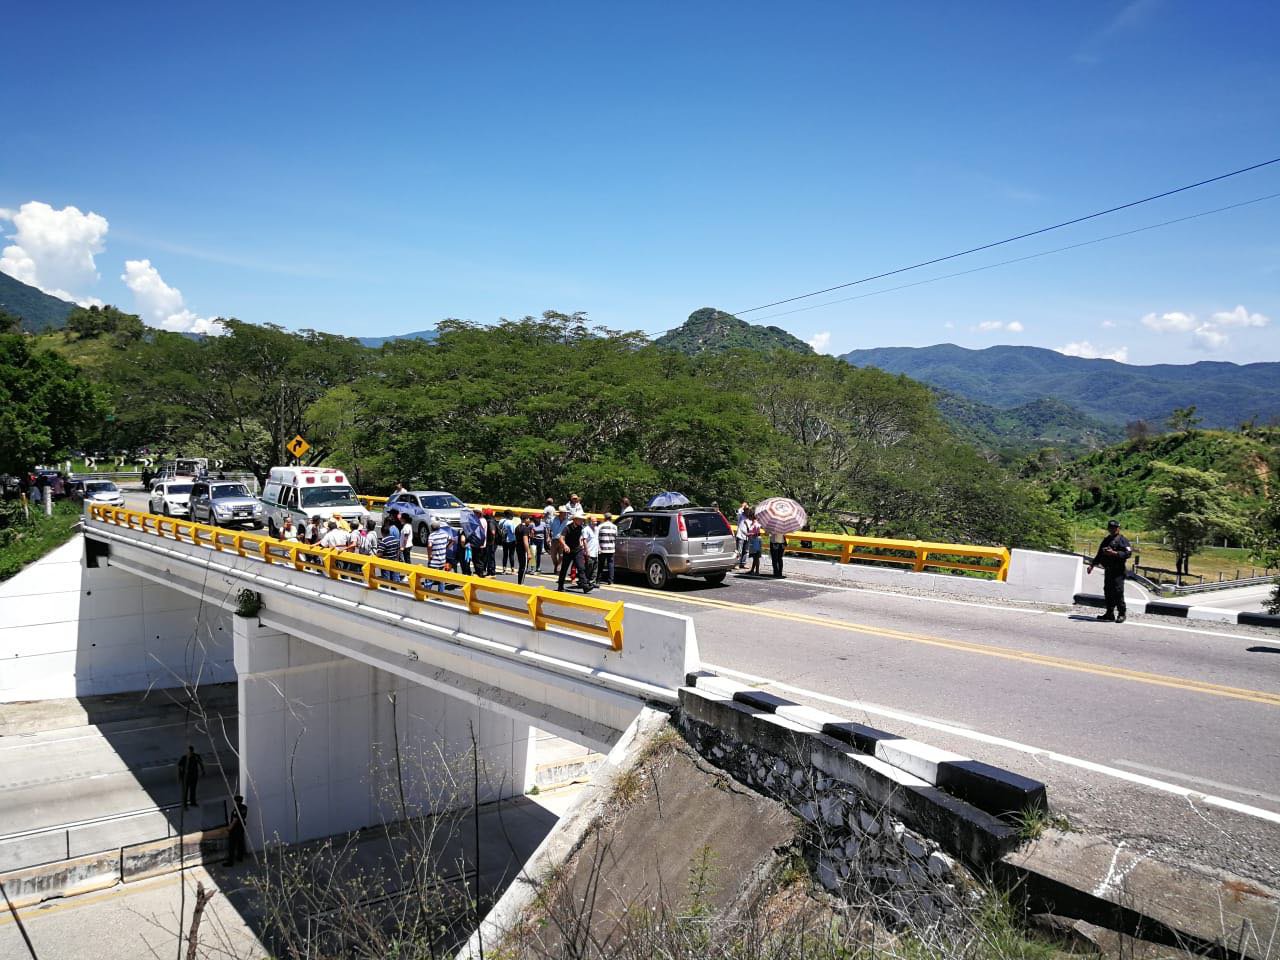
228,863
1120,618
1105,618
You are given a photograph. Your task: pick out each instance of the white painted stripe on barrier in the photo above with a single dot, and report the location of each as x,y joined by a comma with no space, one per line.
721,685
915,757
1212,613
886,770
1192,796
808,717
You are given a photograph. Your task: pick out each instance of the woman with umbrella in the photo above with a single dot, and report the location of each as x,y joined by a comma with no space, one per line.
780,516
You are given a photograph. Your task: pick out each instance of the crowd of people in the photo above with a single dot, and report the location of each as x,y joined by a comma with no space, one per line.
578,548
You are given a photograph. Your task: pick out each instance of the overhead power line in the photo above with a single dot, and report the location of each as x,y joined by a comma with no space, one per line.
1031,256
1021,236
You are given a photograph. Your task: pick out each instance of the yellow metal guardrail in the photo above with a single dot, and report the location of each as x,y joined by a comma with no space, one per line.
376,503
476,594
916,554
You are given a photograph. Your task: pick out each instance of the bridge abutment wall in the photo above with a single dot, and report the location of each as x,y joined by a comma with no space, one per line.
329,744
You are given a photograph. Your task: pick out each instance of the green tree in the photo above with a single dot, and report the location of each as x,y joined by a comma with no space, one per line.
1264,543
46,406
1188,506
9,323
1184,419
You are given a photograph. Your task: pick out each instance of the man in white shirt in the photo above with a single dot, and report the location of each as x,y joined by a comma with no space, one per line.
334,538
437,548
591,545
626,506
406,539
574,507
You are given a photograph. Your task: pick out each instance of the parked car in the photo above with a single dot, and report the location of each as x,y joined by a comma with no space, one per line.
423,506
171,497
103,492
686,541
225,503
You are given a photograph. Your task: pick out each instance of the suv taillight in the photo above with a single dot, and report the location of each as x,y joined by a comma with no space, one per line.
684,531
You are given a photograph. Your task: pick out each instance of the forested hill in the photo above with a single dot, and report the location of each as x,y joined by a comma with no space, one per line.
37,310
415,335
709,330
1114,481
1017,431
1224,394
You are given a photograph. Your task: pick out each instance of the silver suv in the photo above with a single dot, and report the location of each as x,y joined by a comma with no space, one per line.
224,503
423,506
664,544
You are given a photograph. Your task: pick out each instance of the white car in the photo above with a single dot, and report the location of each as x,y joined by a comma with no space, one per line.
103,492
171,497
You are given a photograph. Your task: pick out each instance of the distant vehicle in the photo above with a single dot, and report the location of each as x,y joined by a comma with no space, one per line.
664,544
225,503
191,466
171,497
103,493
306,492
423,506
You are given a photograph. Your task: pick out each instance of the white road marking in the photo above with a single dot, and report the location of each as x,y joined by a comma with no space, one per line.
1259,813
1216,784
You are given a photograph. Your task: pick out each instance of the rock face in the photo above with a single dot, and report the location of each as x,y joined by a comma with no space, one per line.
709,330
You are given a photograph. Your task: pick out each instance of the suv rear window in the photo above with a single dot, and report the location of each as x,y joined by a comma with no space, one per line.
706,525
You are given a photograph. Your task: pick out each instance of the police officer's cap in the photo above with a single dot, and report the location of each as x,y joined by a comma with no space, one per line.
1113,524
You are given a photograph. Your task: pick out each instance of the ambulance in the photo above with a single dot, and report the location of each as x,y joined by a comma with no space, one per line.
306,492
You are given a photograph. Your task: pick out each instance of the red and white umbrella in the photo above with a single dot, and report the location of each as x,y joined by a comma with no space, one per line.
781,515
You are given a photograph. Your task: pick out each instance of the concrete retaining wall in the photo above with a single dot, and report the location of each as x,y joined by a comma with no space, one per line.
1034,577
68,630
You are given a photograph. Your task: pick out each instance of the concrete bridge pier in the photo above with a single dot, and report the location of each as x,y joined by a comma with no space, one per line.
329,744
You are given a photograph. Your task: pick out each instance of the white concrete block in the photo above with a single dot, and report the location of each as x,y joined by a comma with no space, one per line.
918,759
808,717
1211,614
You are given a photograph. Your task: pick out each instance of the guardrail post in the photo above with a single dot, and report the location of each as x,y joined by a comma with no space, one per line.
326,561
534,602
264,548
367,569
469,596
921,556
415,585
613,621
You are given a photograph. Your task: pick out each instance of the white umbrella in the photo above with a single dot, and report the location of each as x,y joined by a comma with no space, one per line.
781,515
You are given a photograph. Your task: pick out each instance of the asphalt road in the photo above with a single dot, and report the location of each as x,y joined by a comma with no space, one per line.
1158,732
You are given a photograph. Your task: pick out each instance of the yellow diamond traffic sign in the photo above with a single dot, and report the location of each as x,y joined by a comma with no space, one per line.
297,446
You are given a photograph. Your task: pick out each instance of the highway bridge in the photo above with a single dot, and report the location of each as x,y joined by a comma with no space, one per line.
1158,731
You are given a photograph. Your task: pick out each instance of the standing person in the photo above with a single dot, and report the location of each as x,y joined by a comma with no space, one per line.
438,549
406,539
289,531
743,534
626,507
389,546
524,533
509,525
754,545
607,534
571,553
537,537
1111,556
400,488
574,506
777,546
491,535
472,552
591,547
235,831
342,524
549,511
554,529
190,766
334,538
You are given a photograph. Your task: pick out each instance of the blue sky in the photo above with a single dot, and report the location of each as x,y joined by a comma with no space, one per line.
370,172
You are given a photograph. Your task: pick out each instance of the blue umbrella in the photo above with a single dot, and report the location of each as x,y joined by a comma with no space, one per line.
668,499
472,525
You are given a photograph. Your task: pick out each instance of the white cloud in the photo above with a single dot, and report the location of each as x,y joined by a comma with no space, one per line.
992,326
54,249
820,341
1240,317
1176,321
162,305
1085,349
949,325
1207,337
1108,324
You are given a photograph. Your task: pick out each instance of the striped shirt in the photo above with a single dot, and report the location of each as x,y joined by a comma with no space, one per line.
389,546
608,534
437,544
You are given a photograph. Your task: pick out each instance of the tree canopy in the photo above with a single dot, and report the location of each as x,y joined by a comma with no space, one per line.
46,406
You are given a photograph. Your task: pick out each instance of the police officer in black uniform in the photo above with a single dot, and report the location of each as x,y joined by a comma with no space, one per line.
1111,556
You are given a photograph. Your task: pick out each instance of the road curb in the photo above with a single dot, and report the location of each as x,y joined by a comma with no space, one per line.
1185,611
993,790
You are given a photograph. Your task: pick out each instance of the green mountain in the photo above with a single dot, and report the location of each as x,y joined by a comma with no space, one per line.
713,331
1224,394
1017,431
37,309
415,335
1113,481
